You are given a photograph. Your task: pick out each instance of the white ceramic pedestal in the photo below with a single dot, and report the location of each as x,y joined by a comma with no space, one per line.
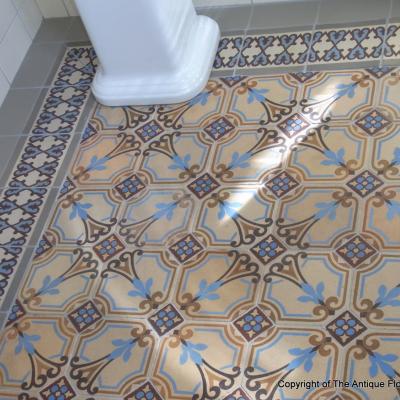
150,51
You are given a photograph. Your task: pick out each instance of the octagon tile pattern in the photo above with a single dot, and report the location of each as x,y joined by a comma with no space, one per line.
210,249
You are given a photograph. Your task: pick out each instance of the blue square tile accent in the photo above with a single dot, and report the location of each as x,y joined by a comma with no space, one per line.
149,131
84,316
365,183
373,122
203,185
58,390
109,247
219,128
186,248
165,320
282,184
268,249
144,392
294,125
356,251
252,324
130,187
345,328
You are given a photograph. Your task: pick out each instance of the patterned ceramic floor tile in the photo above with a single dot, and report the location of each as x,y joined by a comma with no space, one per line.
297,48
216,248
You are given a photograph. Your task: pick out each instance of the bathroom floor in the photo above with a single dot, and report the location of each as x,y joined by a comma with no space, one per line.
215,248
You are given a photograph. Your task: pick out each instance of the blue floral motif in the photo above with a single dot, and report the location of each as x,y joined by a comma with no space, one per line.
143,289
381,361
180,163
201,98
256,94
253,323
315,296
346,90
303,357
123,348
240,161
165,210
206,290
396,156
393,209
326,209
50,287
97,164
25,342
334,158
229,209
79,210
191,350
388,297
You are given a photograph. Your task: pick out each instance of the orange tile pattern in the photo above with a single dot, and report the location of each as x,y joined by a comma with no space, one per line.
211,249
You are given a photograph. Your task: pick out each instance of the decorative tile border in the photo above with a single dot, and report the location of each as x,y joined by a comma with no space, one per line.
35,171
299,48
29,184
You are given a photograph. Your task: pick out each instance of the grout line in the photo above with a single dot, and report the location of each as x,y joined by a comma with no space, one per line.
35,135
314,28
382,57
49,86
249,21
2,39
25,27
11,23
65,8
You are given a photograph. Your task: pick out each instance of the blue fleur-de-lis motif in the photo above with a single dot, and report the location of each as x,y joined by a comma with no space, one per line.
201,98
393,209
240,160
25,342
396,156
97,164
333,158
123,348
180,163
192,351
256,94
315,296
229,209
165,210
345,90
381,362
79,210
206,290
303,357
326,209
50,287
142,289
388,297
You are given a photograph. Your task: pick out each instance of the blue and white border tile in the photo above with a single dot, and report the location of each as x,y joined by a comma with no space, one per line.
26,191
344,45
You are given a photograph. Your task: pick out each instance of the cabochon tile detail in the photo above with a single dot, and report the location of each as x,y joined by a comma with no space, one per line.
210,248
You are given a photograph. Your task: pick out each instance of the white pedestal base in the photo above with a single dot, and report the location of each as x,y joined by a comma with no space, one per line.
150,51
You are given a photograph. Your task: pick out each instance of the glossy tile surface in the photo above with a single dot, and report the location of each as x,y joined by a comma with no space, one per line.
209,249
